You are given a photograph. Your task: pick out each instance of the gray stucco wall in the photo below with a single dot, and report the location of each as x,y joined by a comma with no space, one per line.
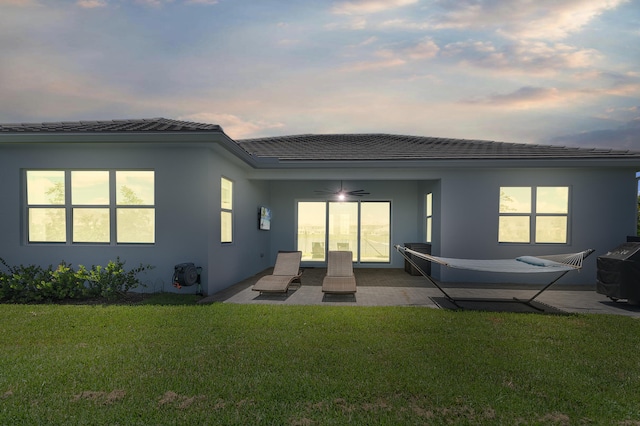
602,214
602,211
406,212
249,252
187,185
466,201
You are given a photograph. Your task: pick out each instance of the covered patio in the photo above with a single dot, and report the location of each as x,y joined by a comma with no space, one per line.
395,287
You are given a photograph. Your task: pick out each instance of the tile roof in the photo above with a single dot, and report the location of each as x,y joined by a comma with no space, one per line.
331,147
372,147
111,126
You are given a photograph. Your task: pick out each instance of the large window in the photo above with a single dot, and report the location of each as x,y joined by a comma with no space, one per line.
538,214
90,206
226,210
360,227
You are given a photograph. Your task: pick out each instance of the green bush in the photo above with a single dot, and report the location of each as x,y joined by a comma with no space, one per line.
65,283
23,284
112,281
33,283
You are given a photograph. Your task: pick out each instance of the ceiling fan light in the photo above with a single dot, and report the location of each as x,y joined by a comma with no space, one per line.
341,196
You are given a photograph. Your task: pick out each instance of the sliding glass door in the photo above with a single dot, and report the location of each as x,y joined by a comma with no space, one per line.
362,227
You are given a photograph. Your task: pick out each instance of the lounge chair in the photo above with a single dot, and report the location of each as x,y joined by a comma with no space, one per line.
285,272
339,278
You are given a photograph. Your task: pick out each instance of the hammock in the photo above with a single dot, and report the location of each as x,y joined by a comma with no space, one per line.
522,264
559,263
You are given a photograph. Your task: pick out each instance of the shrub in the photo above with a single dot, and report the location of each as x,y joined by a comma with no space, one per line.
33,283
67,283
24,284
112,281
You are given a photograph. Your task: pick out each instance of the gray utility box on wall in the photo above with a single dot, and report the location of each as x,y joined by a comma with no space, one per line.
618,274
425,265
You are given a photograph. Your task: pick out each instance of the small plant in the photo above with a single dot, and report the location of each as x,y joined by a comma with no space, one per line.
112,281
33,283
24,283
67,283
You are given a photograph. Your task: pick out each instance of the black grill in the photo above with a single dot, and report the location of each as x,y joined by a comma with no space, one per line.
619,273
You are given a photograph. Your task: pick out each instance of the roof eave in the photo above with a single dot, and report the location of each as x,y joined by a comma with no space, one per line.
206,138
177,139
104,137
274,163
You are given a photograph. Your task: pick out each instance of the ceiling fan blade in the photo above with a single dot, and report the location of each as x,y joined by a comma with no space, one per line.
342,191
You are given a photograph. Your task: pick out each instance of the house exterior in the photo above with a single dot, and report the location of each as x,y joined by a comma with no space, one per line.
165,192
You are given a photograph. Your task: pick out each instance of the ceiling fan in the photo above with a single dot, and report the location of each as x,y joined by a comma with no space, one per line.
343,193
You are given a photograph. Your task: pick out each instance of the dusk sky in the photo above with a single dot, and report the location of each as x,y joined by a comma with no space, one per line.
562,72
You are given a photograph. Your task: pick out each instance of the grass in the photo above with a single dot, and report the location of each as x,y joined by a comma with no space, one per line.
166,363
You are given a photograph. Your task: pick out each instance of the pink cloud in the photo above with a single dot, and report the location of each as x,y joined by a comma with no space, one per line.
234,126
541,19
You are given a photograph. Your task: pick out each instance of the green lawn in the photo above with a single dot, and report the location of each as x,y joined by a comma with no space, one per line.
158,364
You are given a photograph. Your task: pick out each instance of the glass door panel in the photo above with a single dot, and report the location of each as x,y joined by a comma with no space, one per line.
375,219
312,220
343,227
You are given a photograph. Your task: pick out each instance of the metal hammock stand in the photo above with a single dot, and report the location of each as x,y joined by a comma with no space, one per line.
558,263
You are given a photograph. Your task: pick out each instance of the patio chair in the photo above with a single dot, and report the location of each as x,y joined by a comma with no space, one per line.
339,278
285,272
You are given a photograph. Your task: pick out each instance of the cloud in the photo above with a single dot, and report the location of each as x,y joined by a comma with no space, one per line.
525,97
91,4
404,25
373,65
518,19
420,77
18,2
425,49
55,93
205,2
355,24
620,113
395,56
622,84
363,7
154,3
529,97
234,126
288,42
363,43
158,3
626,136
521,56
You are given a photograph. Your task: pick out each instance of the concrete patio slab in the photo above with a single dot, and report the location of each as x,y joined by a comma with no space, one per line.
395,287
